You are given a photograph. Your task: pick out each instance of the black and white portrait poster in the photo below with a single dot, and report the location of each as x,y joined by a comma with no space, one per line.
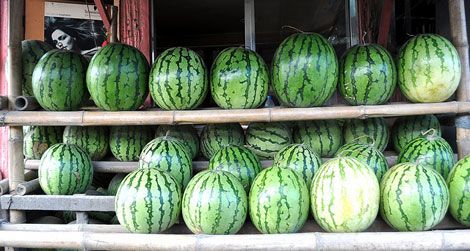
75,27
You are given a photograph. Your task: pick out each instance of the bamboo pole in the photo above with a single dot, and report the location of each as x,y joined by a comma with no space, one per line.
114,24
3,102
458,27
27,187
26,103
15,142
152,117
4,184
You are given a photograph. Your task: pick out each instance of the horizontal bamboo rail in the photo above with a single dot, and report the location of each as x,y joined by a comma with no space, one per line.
4,184
78,202
92,118
27,187
26,103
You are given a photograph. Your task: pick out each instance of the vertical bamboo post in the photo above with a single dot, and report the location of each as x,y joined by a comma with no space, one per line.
15,142
114,24
459,38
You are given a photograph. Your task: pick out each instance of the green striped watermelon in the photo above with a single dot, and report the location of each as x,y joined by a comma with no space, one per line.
31,52
117,77
304,70
39,138
178,79
322,136
217,136
148,201
368,155
59,80
214,203
367,131
168,154
345,195
93,139
239,79
114,183
459,190
428,68
405,129
278,201
430,151
413,197
65,169
186,133
300,158
126,142
367,75
266,139
239,161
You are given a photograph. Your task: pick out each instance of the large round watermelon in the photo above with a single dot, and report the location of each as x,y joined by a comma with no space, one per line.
322,136
93,139
239,161
413,197
405,129
304,70
345,195
300,158
459,190
170,155
367,75
186,133
117,77
65,169
126,142
39,138
428,68
368,155
31,52
59,80
430,151
178,79
214,203
239,79
278,201
148,201
373,131
115,183
266,139
217,136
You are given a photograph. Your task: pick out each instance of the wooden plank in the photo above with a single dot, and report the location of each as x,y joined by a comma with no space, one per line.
83,203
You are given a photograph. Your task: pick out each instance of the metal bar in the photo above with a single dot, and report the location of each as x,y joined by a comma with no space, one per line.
250,34
352,30
82,203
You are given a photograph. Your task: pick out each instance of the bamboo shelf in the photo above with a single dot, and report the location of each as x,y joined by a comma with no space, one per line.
208,116
78,202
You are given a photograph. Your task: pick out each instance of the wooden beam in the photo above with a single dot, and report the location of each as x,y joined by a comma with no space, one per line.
385,19
103,14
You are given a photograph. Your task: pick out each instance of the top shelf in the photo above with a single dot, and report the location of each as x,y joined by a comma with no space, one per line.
204,116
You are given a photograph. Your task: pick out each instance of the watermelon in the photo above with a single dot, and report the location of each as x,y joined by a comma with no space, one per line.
59,80
459,191
304,70
405,129
367,75
117,78
266,139
31,52
373,131
217,136
428,68
126,142
322,136
186,133
65,169
239,79
345,195
278,201
413,197
300,158
148,201
430,151
178,79
368,155
168,154
239,161
93,139
39,138
214,203
114,183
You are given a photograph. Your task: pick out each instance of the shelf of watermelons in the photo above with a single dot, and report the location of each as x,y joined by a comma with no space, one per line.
203,116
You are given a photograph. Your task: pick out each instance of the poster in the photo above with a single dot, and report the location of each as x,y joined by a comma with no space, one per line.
76,27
